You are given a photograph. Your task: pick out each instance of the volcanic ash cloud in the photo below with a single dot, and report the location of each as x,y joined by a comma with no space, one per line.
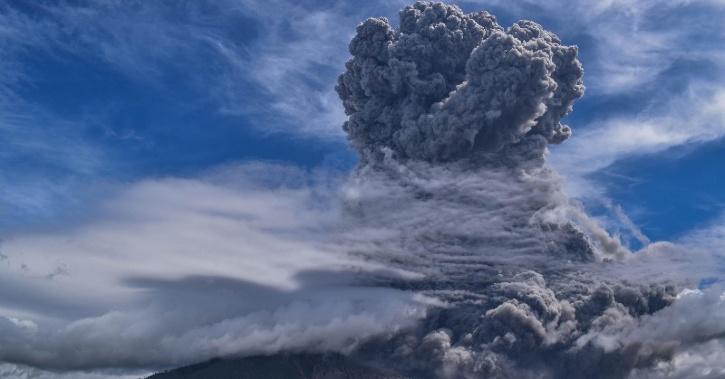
449,86
452,115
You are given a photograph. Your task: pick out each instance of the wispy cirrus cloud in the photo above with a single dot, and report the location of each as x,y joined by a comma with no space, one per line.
276,61
85,89
626,44
694,116
295,62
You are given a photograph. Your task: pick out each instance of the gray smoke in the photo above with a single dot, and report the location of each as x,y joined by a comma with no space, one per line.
448,86
452,115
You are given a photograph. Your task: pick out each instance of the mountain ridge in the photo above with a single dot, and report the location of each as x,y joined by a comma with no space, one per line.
287,366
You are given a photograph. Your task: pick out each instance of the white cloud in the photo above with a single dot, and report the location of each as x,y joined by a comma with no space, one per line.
695,116
296,62
281,70
179,270
709,237
11,371
634,41
689,331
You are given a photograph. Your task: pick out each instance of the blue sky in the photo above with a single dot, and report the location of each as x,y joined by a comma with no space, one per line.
87,102
122,122
97,96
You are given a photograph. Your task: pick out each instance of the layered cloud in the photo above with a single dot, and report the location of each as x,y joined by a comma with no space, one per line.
179,270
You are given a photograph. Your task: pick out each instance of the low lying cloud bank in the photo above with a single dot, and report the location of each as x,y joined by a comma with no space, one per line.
174,271
451,251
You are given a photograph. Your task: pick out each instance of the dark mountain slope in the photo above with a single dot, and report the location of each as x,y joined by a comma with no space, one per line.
299,366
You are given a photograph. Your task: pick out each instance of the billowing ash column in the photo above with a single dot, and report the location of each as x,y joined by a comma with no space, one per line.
448,86
452,115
